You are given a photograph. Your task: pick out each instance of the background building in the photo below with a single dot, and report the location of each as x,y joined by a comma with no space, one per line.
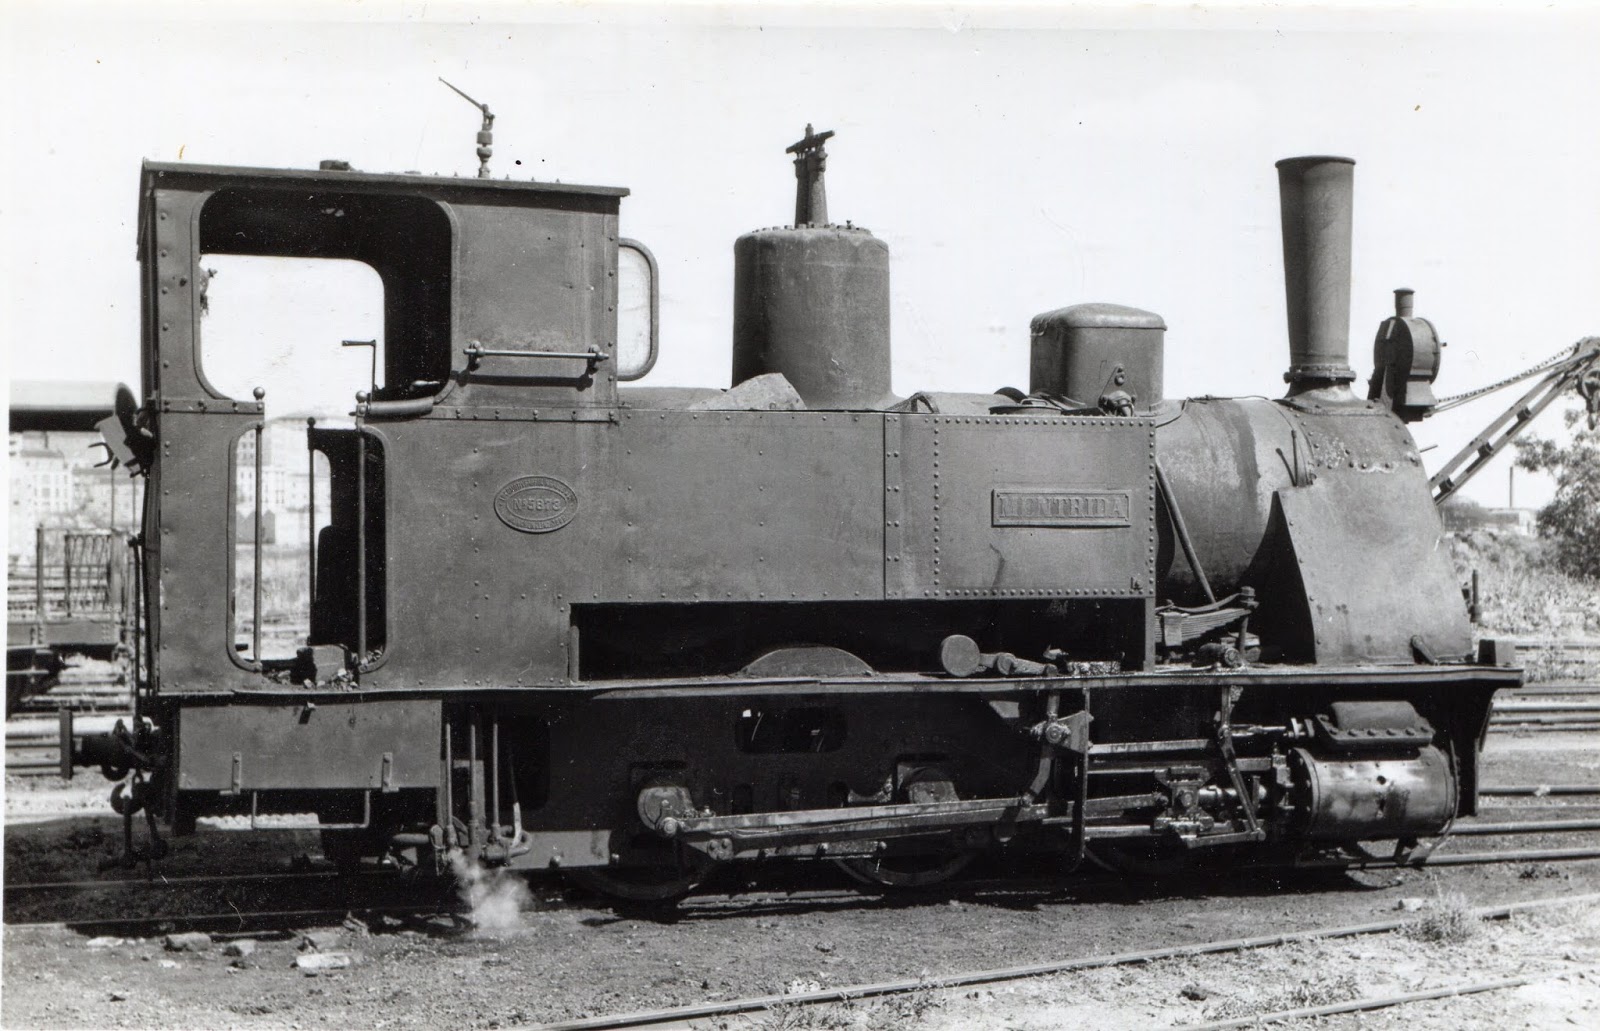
57,475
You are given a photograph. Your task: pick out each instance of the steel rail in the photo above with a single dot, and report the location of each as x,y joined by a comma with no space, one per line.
1557,702
1523,827
1585,721
193,881
1387,1001
1545,728
1525,855
230,916
1520,729
1539,790
1557,806
959,889
848,993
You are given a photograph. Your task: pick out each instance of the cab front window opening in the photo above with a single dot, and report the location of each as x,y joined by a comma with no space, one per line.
316,297
307,332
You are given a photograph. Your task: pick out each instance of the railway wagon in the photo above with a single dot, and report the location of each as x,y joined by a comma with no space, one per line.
558,621
68,598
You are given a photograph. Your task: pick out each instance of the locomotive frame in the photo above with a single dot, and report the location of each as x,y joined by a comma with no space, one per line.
560,622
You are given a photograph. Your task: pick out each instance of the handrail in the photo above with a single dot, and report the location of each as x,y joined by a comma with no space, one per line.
475,352
38,574
255,586
361,546
414,407
311,517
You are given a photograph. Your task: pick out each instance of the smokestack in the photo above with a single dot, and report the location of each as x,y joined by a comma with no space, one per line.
1316,197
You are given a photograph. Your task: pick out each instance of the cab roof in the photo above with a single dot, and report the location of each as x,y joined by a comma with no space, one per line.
184,173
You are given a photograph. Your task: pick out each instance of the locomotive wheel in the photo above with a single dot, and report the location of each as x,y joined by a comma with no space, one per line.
907,872
644,884
1141,858
1401,851
653,885
911,870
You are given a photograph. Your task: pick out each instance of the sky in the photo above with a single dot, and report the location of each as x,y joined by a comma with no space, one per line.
1016,160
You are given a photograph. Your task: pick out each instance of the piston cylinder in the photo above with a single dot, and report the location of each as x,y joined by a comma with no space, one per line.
812,303
1316,196
1090,351
1362,799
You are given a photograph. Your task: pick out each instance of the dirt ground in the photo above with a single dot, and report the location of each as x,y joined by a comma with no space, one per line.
557,954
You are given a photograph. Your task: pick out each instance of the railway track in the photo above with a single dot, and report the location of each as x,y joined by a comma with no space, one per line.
1569,646
162,882
221,902
278,906
1451,991
1548,708
438,923
92,687
194,902
253,922
964,979
1537,790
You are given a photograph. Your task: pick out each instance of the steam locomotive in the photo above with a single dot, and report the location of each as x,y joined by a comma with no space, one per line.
632,633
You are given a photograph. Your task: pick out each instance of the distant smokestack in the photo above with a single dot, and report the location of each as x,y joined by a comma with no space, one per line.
1316,197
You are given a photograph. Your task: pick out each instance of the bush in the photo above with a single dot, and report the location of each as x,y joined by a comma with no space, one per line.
1521,591
1450,921
1571,522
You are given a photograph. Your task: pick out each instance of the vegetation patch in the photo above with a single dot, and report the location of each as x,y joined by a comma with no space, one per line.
1521,591
1319,990
1450,920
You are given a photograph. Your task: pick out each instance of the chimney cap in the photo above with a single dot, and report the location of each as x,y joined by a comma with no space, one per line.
1098,315
1312,159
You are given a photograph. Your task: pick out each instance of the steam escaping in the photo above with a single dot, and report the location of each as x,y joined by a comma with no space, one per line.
496,896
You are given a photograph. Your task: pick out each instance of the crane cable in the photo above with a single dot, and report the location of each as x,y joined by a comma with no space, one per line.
1564,355
1559,358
